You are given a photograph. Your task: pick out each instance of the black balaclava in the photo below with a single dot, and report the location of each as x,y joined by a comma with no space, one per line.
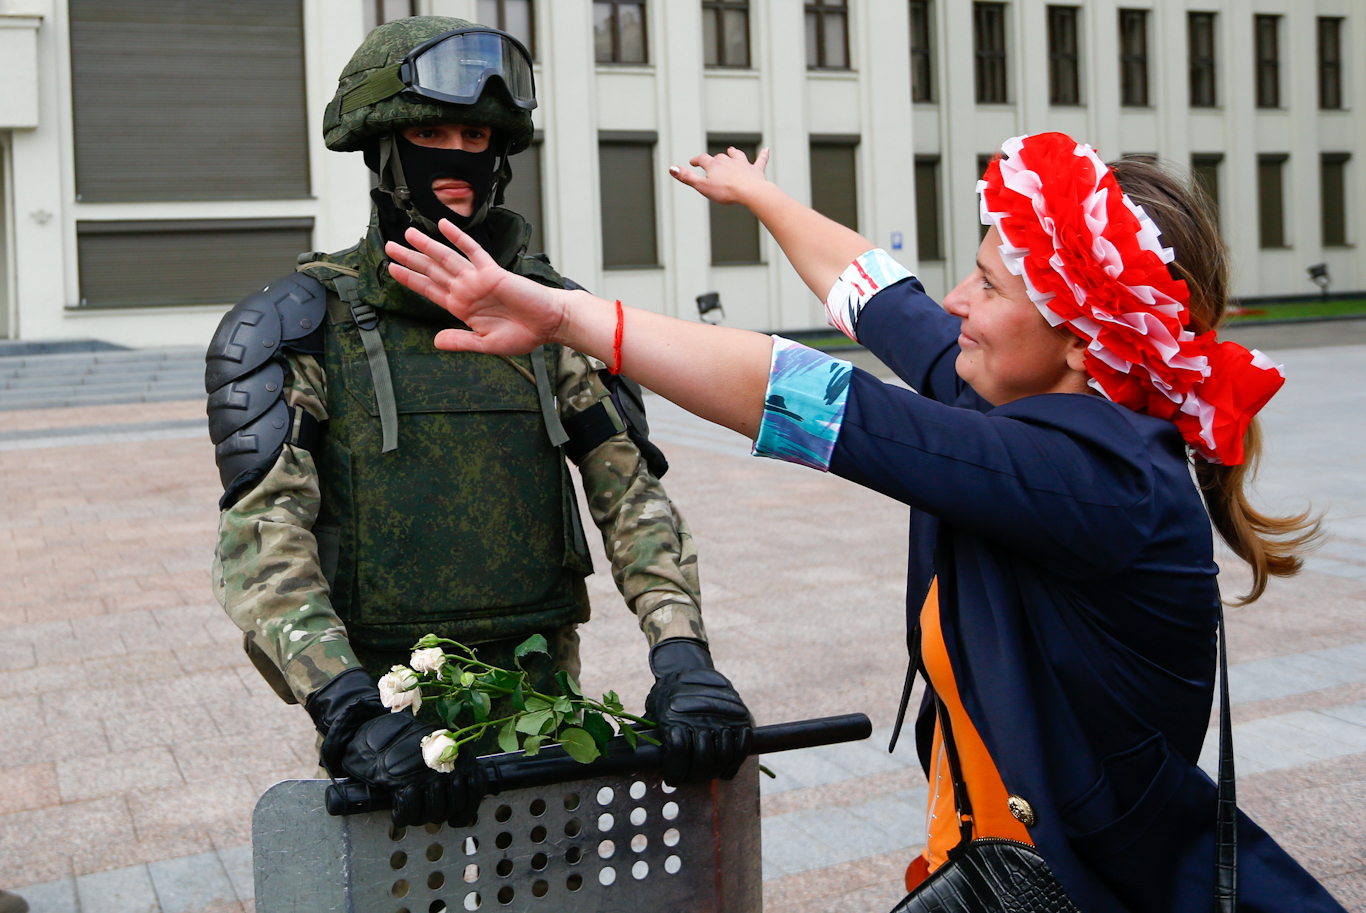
419,167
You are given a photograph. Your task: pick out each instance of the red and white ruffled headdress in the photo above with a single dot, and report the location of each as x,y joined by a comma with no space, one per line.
1091,259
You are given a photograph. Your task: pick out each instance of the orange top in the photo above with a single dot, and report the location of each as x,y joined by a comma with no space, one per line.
986,792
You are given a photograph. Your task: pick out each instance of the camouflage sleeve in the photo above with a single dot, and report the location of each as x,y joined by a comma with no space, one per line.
266,572
654,562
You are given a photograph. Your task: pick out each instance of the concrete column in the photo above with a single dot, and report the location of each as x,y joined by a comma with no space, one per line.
333,29
685,244
784,64
1300,93
1239,215
887,178
958,107
1101,27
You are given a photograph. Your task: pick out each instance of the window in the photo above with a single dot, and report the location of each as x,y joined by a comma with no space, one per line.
1271,199
928,244
1330,63
725,33
1333,185
1133,58
1205,171
1268,61
834,184
516,17
619,31
827,34
982,162
193,100
169,262
734,229
922,62
627,179
1064,70
1200,37
378,12
989,51
524,194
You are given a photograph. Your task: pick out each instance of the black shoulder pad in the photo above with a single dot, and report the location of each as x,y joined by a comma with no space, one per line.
244,399
252,444
288,313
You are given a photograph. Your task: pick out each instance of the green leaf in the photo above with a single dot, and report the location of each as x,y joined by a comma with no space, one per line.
535,703
567,684
536,643
466,679
518,699
507,736
534,723
532,746
449,711
481,705
648,738
612,702
579,745
630,735
501,679
563,705
596,726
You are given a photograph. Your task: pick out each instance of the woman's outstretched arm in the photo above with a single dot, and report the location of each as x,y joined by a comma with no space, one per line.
820,249
718,373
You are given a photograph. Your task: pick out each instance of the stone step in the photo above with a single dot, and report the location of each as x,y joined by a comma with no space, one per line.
87,375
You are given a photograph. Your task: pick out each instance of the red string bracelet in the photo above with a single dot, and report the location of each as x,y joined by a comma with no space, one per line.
616,340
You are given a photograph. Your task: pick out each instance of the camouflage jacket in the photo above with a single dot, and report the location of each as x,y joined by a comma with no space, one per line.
268,577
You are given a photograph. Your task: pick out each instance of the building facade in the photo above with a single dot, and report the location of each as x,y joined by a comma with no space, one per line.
158,161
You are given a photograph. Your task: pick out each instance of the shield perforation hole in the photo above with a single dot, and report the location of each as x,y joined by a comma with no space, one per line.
537,807
398,860
573,855
571,802
400,888
397,833
540,888
435,852
605,822
639,842
607,876
504,868
640,869
435,880
539,861
574,882
505,894
670,811
605,795
672,864
503,840
437,906
668,789
473,900
503,813
538,834
471,845
431,828
471,874
572,827
671,837
606,849
638,816
637,790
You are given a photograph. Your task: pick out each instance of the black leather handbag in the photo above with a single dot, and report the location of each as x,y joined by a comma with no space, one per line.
997,875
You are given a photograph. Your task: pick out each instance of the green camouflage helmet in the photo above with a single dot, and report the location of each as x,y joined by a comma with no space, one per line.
387,45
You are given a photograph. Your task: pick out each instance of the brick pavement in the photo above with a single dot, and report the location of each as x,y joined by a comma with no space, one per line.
135,737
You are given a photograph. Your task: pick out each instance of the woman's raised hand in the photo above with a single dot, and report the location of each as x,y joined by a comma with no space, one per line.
507,314
730,176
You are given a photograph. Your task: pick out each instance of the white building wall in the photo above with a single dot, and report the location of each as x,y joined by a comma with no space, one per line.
682,102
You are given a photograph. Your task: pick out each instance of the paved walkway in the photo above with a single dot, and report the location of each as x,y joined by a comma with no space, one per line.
137,737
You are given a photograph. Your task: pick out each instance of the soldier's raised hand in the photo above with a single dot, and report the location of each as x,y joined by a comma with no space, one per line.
507,314
730,177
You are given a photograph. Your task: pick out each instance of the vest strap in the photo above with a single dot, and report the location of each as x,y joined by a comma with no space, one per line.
547,396
367,322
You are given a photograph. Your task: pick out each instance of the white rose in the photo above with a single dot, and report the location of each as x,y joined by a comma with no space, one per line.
398,690
436,745
429,660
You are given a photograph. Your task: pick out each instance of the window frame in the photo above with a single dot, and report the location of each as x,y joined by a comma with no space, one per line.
990,63
838,141
1278,161
718,9
648,140
749,143
1057,56
1203,66
1213,161
1135,75
1338,160
823,10
616,60
922,56
1267,69
501,24
1327,67
934,163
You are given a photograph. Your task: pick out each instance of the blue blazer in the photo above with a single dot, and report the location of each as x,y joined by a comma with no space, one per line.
1079,602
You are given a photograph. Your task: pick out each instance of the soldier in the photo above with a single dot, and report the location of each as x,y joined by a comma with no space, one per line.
377,489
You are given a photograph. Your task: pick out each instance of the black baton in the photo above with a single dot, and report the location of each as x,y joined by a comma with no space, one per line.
553,765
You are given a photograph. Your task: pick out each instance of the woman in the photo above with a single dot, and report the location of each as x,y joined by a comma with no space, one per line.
1062,568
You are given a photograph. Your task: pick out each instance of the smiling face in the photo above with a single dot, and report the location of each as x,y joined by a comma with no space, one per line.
454,194
1008,351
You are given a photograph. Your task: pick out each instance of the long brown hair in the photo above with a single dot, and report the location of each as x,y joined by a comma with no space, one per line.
1184,213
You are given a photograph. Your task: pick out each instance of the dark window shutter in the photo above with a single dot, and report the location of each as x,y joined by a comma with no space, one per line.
928,244
734,229
1330,63
922,59
1268,61
1333,178
626,175
524,194
1271,199
188,100
834,184
1205,168
1200,29
1064,70
982,162
212,261
1133,58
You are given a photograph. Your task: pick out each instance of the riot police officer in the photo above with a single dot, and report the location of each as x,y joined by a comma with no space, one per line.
377,489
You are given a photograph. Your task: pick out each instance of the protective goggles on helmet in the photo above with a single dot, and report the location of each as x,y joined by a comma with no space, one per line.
453,68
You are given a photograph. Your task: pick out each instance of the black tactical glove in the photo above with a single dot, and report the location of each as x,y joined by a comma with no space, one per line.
364,741
705,727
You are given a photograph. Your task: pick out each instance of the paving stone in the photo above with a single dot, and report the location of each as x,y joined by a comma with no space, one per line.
191,883
237,862
126,890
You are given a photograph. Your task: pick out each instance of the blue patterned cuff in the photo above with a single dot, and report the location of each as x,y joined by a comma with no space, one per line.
804,405
856,286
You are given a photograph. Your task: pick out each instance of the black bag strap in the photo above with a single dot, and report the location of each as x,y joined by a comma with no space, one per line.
961,803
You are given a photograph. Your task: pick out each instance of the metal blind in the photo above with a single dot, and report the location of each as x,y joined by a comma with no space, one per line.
1133,58
628,204
834,188
188,100
928,244
1271,199
1333,188
1064,58
165,262
1205,169
523,195
989,50
734,229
